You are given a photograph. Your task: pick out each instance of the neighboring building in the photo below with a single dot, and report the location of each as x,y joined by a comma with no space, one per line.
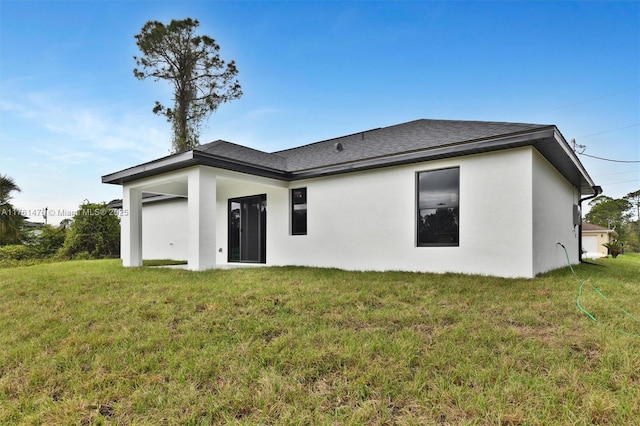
594,238
33,228
428,195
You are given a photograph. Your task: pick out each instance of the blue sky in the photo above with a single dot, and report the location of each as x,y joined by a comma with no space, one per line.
72,111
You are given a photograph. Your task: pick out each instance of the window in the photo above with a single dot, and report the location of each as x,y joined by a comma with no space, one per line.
438,207
299,211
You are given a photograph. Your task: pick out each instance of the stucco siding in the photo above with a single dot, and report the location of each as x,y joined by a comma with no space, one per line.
367,220
514,207
164,230
277,215
553,217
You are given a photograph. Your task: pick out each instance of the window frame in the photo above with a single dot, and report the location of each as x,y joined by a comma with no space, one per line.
234,244
418,217
292,210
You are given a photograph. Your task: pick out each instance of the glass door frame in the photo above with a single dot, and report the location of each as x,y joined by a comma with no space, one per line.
247,234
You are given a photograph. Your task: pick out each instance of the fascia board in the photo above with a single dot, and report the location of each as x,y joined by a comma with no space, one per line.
558,152
574,158
239,166
162,165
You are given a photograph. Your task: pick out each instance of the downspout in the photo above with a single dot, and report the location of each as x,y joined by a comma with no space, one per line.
597,191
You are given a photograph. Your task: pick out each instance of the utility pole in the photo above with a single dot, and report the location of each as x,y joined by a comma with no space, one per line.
575,146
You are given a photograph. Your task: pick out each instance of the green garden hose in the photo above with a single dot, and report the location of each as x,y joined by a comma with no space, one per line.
598,292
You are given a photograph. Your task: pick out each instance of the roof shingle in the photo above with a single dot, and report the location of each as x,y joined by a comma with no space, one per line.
401,138
414,141
408,137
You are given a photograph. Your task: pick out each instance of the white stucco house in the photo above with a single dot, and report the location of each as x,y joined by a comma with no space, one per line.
594,238
428,195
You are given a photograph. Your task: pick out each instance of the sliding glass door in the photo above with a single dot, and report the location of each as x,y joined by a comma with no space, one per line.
248,229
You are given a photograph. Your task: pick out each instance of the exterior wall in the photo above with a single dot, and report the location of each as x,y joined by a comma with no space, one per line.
277,215
198,184
201,218
164,230
131,227
367,220
514,207
553,221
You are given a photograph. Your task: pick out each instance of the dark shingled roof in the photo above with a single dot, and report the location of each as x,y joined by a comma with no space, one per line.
415,141
234,151
403,138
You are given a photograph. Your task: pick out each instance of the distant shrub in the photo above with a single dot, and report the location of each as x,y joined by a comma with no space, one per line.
94,233
47,241
17,252
615,248
83,255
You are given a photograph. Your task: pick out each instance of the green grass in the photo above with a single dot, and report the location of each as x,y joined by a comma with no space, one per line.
90,342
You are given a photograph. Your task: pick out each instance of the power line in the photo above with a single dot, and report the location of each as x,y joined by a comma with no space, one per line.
618,173
612,130
609,159
624,181
628,89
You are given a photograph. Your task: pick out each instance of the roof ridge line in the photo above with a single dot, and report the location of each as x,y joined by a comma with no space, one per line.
221,141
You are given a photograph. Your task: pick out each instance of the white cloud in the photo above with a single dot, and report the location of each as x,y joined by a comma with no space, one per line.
61,158
67,121
57,144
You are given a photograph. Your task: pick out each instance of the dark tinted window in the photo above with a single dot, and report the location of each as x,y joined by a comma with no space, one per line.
438,207
299,211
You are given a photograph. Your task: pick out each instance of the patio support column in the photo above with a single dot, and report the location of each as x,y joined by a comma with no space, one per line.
201,217
131,227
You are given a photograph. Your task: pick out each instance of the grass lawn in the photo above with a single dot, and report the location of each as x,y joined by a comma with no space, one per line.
90,342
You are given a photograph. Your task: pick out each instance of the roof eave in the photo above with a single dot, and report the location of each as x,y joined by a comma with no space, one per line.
548,141
211,160
188,159
162,165
558,152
